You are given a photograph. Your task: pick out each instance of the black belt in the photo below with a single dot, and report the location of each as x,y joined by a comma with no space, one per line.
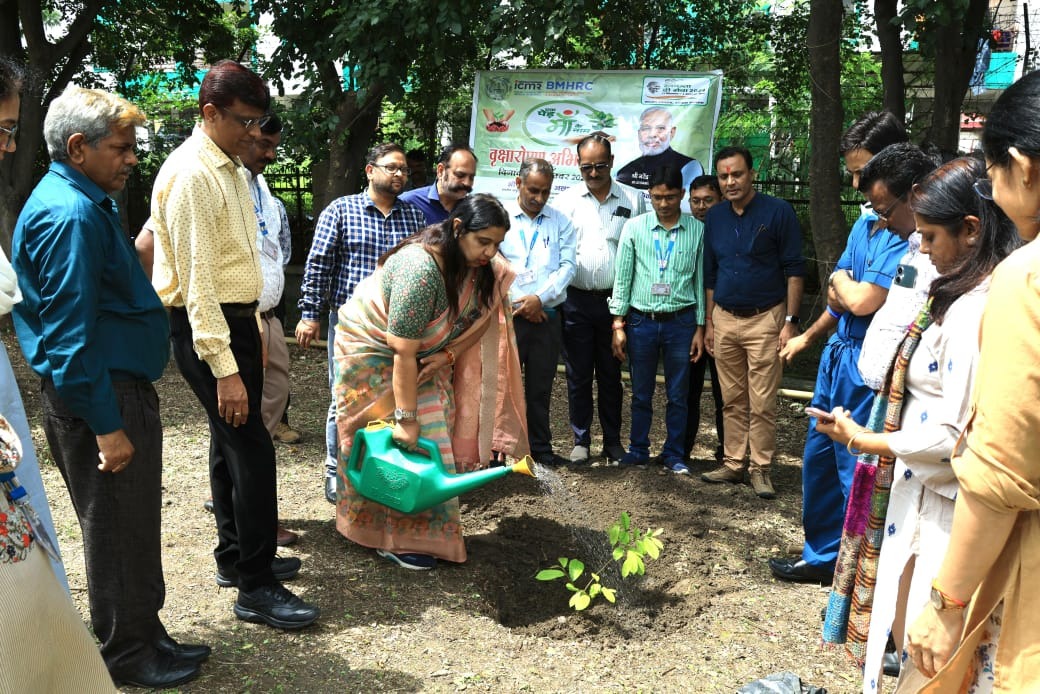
595,292
229,310
660,316
267,315
750,312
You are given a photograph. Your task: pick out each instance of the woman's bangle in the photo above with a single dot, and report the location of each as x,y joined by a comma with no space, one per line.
834,314
451,356
848,446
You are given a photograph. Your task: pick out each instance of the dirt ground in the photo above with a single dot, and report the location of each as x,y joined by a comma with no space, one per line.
707,617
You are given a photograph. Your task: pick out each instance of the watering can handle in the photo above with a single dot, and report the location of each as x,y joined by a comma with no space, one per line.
428,445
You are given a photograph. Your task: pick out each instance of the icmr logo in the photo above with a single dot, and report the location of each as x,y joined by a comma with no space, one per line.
498,88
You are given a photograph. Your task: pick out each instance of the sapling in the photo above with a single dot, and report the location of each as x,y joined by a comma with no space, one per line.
628,546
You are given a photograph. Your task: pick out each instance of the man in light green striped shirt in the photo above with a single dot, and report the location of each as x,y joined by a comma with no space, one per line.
658,307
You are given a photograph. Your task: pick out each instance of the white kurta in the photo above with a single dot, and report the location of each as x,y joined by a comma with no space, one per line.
920,510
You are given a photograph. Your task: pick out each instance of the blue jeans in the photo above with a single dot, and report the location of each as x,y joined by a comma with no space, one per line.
648,340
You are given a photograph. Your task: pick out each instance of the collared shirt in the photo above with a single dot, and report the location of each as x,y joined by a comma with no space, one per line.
891,321
428,200
541,251
269,224
872,255
748,257
350,236
649,255
205,243
597,229
89,315
637,172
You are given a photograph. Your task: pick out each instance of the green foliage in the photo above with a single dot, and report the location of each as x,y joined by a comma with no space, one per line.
628,546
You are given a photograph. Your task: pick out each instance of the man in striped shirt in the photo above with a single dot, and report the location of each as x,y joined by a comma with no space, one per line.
658,307
351,234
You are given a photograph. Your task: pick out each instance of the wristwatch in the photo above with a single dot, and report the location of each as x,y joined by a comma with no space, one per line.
944,604
404,415
793,320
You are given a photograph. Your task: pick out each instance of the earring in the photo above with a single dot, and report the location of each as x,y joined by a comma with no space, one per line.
971,240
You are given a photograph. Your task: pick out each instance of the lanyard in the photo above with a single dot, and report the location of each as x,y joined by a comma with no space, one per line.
663,257
529,247
258,207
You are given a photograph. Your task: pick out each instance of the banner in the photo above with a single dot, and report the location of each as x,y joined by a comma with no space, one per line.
652,118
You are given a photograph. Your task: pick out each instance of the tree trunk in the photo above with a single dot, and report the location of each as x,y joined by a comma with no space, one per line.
829,230
892,79
348,145
956,46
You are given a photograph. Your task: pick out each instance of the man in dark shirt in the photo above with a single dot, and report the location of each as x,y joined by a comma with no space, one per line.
754,277
656,130
456,170
94,330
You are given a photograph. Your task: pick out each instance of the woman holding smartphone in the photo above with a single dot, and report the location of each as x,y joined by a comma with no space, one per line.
983,629
928,392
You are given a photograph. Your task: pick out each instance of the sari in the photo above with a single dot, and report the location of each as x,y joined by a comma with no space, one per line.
469,411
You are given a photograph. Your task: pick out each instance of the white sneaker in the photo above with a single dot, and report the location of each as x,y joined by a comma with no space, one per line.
580,454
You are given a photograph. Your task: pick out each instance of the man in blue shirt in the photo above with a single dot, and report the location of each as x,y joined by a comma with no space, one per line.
541,247
456,170
856,289
754,278
351,234
94,330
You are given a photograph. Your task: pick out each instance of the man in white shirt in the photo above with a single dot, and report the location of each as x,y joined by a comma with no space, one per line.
540,246
598,208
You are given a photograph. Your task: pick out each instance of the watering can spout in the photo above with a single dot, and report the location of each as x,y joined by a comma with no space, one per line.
523,466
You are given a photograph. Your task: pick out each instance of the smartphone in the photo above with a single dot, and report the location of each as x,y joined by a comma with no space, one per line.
822,415
906,275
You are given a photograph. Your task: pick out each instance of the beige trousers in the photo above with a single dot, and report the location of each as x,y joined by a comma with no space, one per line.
276,374
749,375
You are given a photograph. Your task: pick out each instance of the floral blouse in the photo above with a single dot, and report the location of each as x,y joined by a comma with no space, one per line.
15,533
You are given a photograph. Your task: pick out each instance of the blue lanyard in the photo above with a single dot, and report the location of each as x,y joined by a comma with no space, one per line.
258,207
534,239
663,257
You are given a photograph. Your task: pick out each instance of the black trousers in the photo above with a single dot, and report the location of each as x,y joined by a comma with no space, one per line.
241,459
693,407
587,335
120,516
539,348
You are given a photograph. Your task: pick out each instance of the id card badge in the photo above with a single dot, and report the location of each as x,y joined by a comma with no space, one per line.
661,289
269,247
525,277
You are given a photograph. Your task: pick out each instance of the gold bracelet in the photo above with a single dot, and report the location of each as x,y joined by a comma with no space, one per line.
848,446
451,356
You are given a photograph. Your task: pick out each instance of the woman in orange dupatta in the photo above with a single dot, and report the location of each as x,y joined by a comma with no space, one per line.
437,300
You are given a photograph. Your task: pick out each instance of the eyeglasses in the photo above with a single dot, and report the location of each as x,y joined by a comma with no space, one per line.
394,169
8,134
589,168
887,214
248,123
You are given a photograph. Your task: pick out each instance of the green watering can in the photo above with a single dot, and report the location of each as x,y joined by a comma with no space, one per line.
411,481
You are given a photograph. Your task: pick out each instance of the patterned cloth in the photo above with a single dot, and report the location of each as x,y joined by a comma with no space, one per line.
853,589
15,532
469,413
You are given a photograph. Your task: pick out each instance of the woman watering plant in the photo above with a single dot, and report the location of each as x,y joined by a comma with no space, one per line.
427,340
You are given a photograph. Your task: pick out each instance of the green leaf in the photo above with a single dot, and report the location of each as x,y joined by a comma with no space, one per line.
618,553
615,533
563,561
653,548
549,574
573,588
610,594
575,568
633,565
594,590
625,520
579,601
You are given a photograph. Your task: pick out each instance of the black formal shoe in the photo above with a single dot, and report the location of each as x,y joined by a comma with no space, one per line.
787,569
159,671
191,652
208,505
330,489
890,663
550,460
275,606
284,568
614,453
